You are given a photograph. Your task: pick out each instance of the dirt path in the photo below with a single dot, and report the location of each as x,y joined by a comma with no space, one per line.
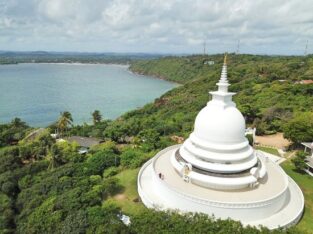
276,140
120,197
292,154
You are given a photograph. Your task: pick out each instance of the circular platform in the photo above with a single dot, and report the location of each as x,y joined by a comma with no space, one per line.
276,202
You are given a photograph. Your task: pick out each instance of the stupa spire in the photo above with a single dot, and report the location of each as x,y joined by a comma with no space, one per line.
223,82
222,96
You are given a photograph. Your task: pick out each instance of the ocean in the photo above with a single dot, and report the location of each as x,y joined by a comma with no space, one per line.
37,93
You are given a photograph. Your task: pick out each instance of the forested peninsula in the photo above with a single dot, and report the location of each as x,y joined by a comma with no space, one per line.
49,187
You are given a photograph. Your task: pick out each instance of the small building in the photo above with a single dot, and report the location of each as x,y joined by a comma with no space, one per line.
308,148
309,163
84,142
208,62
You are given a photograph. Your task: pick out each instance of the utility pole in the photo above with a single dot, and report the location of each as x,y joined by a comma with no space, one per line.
306,48
238,47
204,45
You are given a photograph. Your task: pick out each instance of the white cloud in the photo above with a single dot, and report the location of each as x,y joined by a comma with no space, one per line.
156,26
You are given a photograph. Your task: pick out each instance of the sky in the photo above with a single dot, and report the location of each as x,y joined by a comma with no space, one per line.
157,26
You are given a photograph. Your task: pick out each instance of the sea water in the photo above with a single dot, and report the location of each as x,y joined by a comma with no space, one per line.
37,93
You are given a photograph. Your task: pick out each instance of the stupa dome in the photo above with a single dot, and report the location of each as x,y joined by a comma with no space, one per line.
221,125
218,144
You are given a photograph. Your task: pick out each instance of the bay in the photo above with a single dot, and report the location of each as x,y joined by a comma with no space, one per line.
37,93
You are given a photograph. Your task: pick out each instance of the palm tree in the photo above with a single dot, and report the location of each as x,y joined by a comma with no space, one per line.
64,121
96,115
54,157
17,122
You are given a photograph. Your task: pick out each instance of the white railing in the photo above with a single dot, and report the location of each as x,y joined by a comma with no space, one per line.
261,203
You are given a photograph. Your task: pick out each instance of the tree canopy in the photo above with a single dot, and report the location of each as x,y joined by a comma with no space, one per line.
300,128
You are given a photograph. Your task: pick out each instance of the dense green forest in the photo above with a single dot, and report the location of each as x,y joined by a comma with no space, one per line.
48,187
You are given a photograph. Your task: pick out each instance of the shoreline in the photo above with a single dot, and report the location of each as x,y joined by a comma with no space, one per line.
71,63
127,66
155,77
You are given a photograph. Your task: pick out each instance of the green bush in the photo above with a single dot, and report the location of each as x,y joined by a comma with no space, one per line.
133,158
300,128
109,172
101,160
250,139
299,161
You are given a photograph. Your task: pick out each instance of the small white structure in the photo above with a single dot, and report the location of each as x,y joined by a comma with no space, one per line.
125,219
308,148
211,62
215,171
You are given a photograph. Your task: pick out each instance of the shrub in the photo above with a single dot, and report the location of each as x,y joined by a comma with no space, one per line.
299,161
100,161
300,128
250,139
111,171
133,158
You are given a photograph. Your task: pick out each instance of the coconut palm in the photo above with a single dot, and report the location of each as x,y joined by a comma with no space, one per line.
55,157
64,122
17,122
96,115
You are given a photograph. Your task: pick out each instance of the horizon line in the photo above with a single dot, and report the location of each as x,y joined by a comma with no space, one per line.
147,53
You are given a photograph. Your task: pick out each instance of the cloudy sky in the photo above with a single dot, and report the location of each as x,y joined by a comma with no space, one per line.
163,26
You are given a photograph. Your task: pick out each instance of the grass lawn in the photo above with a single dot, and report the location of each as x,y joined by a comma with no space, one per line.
306,184
268,150
125,200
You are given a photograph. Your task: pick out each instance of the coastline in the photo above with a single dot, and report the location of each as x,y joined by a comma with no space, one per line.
69,63
126,66
154,76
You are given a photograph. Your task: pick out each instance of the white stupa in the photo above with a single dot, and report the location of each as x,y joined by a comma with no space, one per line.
215,171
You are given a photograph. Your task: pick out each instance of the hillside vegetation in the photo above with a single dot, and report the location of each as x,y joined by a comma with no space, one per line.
268,92
241,67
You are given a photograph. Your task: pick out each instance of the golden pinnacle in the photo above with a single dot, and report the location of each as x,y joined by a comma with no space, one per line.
225,58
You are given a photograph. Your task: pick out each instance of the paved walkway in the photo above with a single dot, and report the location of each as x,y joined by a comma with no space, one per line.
273,158
265,190
291,211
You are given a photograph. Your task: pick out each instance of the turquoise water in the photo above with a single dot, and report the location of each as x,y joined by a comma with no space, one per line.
37,93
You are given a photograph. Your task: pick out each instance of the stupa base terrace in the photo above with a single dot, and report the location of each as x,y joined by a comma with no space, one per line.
273,203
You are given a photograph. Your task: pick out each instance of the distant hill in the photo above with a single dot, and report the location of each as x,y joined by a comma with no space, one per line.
7,57
241,67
